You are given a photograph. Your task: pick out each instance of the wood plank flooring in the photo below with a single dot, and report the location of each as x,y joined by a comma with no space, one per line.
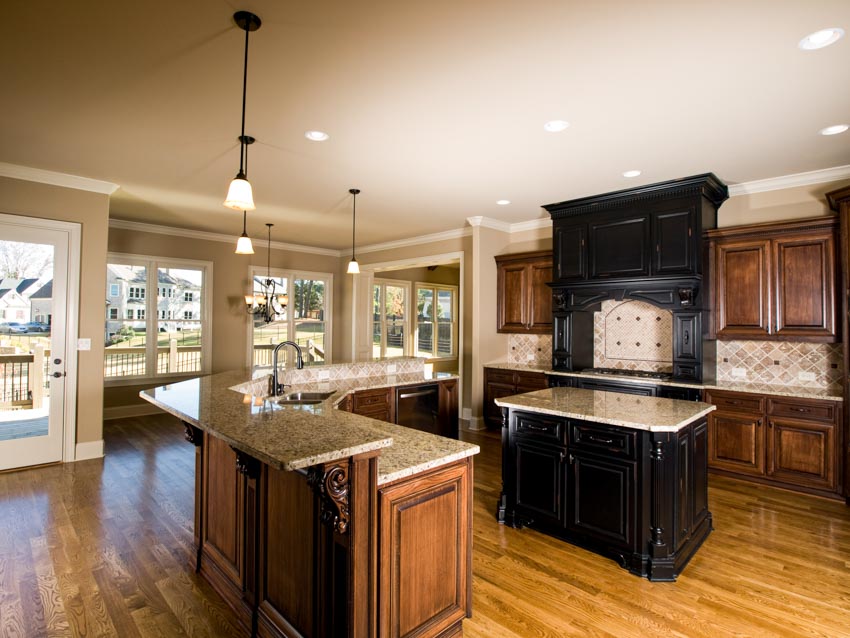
101,548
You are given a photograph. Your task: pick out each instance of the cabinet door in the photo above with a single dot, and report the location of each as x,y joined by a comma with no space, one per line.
512,297
562,341
570,246
620,248
743,292
602,498
539,481
802,452
540,297
736,443
530,381
495,390
675,245
376,404
805,287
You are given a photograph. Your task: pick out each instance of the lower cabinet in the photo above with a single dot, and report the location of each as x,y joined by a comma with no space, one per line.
638,497
499,382
793,443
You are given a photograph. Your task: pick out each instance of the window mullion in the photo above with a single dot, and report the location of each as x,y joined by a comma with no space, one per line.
151,335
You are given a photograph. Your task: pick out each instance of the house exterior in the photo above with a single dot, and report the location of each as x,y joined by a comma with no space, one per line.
41,304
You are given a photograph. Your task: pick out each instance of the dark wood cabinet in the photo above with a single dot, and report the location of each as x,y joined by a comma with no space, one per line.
570,242
376,404
791,442
639,497
380,404
776,281
499,382
523,297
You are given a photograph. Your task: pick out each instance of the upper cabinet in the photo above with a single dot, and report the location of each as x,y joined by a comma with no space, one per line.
523,298
776,281
649,231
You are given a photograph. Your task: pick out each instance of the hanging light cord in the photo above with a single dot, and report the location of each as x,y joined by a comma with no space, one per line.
243,149
353,221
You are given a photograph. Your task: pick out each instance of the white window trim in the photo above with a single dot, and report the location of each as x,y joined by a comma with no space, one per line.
153,263
290,276
114,290
455,323
408,336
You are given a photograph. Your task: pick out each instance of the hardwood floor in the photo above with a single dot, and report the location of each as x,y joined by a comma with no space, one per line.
101,548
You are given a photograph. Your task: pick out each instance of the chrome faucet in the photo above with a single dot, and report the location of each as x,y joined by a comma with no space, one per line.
277,388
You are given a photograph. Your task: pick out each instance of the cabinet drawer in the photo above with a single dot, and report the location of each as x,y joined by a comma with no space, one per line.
800,409
736,402
494,375
371,399
540,427
609,441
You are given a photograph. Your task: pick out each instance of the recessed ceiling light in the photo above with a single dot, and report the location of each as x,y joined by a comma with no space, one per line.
834,130
631,173
556,126
503,202
316,136
821,39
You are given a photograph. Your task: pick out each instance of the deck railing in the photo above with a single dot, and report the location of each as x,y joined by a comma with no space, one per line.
23,379
263,353
171,359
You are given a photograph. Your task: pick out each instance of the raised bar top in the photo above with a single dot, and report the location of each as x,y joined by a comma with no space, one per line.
612,408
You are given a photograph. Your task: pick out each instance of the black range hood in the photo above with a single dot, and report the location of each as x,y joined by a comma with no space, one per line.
643,243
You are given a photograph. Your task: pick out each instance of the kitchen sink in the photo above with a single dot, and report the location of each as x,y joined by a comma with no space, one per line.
304,398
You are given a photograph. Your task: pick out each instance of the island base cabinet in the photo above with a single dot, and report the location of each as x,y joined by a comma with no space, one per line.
636,496
425,553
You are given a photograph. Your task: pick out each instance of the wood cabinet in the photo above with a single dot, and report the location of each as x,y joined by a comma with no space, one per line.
376,404
776,281
499,383
570,243
791,442
523,298
639,497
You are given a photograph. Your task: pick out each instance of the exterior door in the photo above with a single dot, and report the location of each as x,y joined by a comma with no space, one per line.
37,257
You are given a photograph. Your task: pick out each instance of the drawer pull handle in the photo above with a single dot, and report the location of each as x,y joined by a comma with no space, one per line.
800,409
598,440
733,402
538,428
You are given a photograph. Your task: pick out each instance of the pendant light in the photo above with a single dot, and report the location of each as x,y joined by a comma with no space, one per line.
353,266
243,244
268,304
240,195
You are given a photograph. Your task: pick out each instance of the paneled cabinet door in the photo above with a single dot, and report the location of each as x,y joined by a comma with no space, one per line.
736,443
802,452
602,498
805,287
540,297
523,296
620,248
539,481
744,289
513,294
570,244
672,233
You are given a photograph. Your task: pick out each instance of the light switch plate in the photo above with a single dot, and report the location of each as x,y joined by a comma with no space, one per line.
739,372
83,344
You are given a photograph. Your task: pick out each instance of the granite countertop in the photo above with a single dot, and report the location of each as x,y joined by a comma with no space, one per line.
611,408
800,392
235,408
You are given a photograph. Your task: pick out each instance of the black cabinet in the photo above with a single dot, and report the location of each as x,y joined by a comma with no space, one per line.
620,247
642,389
639,497
571,242
674,243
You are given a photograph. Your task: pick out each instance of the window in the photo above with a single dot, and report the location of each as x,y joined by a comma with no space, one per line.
113,290
149,341
389,316
305,320
436,321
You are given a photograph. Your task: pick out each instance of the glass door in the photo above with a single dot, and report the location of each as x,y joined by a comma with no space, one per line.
34,259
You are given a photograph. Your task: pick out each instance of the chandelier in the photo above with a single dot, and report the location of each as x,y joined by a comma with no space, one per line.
267,304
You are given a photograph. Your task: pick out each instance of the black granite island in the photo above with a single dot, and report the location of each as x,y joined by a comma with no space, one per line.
311,521
622,475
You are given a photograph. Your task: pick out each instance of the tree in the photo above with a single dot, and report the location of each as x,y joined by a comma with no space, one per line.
20,260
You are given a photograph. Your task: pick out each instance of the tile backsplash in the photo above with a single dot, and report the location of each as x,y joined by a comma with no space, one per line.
784,363
336,371
530,349
633,335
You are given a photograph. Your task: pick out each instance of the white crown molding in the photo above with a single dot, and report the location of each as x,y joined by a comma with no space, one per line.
29,174
228,239
790,181
532,224
415,241
507,227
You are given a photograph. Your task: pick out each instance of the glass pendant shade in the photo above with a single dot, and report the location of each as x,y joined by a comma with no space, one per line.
244,245
240,195
353,267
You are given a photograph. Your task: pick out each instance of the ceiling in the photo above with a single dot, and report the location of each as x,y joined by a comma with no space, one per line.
435,109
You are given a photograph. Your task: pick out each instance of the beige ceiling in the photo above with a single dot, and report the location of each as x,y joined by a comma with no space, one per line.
435,108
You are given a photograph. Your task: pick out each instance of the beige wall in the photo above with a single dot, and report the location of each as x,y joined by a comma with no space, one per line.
778,205
231,281
91,210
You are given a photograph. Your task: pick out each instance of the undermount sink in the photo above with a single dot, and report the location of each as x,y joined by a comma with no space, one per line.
304,398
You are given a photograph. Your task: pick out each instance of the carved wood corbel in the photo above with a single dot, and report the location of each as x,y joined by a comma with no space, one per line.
331,483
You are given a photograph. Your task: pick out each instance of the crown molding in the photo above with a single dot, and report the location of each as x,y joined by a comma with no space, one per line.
415,241
29,174
199,234
532,224
507,227
790,181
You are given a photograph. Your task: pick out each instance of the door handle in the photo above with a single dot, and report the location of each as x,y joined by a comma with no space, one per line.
58,375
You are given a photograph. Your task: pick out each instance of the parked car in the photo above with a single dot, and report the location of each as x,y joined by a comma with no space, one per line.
37,326
12,327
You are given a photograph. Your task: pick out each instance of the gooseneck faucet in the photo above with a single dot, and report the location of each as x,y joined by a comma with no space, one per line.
277,388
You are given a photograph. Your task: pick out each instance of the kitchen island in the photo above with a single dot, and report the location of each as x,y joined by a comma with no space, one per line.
311,521
622,475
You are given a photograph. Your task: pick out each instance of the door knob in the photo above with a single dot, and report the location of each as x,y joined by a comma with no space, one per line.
57,375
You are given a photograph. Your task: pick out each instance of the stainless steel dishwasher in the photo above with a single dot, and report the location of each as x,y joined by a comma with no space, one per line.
418,407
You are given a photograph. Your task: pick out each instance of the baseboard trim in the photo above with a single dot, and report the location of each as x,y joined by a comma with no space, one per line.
89,450
124,411
475,423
